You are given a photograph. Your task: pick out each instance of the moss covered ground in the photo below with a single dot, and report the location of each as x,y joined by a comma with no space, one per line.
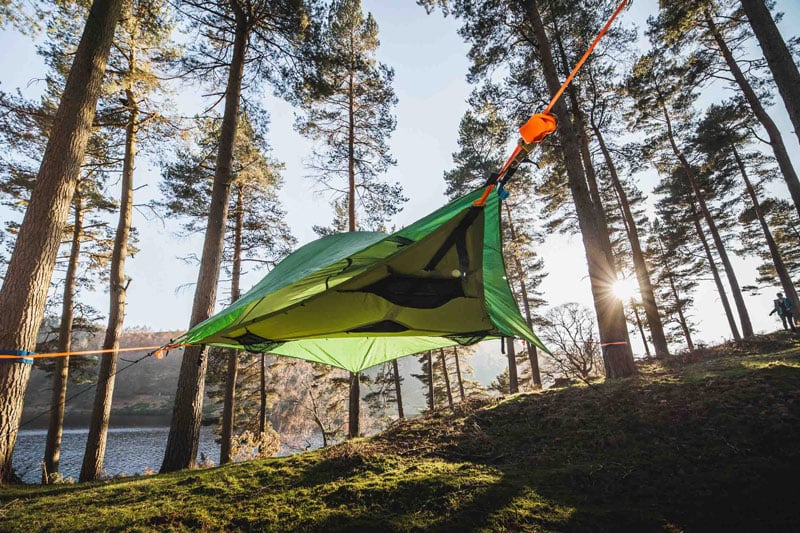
704,442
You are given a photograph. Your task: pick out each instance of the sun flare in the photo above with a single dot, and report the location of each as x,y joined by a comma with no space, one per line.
625,289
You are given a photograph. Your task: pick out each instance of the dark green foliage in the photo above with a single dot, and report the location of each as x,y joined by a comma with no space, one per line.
785,225
347,110
186,190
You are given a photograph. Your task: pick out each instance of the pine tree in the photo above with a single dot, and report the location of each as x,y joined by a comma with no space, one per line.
663,92
349,113
721,135
713,32
675,270
778,55
265,37
141,53
24,290
784,226
520,42
257,231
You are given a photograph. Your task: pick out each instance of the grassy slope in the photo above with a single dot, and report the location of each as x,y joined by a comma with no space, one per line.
713,444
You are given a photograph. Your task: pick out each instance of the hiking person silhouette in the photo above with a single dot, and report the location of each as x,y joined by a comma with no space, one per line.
785,309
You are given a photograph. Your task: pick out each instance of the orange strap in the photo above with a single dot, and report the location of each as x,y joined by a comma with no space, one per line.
540,125
585,57
158,352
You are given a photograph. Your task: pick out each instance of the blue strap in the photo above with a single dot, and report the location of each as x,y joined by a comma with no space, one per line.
22,356
502,192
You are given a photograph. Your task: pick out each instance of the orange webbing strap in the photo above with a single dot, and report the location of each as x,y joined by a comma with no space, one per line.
158,351
585,57
540,125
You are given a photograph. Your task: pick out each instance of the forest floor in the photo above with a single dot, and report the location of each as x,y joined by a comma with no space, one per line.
707,441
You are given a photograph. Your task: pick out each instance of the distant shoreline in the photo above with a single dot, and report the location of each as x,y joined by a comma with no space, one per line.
79,421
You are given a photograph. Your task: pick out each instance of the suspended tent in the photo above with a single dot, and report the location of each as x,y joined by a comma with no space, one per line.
355,300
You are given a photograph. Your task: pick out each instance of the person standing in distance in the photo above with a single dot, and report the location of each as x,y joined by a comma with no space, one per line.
785,309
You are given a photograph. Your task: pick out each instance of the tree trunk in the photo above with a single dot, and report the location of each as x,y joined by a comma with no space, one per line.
262,419
446,375
777,258
184,432
779,58
617,354
513,382
639,264
775,138
431,402
354,406
398,392
586,156
228,417
641,329
714,272
591,178
678,304
458,375
533,355
744,317
94,455
24,290
55,427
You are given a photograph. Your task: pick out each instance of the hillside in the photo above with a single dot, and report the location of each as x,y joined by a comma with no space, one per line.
711,444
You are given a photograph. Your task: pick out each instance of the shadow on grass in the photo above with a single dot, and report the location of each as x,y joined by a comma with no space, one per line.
721,453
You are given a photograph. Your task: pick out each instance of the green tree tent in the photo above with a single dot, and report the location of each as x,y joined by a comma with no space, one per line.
355,300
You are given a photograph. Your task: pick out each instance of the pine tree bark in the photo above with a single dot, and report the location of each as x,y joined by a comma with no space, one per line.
717,280
591,178
184,433
639,264
779,58
93,456
55,427
458,375
354,403
262,418
533,355
513,382
744,316
641,328
228,417
617,354
678,304
446,375
398,391
775,253
24,290
431,399
775,138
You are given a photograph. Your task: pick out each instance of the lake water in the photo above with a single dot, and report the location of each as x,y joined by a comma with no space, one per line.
128,451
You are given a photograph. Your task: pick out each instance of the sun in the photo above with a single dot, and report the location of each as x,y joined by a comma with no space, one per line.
625,289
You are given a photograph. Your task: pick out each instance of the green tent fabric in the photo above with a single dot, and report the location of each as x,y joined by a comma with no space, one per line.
355,300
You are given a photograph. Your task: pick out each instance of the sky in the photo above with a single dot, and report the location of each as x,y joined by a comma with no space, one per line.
430,63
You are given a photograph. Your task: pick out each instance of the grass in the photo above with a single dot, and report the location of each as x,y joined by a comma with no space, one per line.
705,442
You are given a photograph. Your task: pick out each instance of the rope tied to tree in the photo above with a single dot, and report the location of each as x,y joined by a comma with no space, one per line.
540,125
23,356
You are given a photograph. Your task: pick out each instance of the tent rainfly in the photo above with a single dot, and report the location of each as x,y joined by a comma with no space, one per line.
355,300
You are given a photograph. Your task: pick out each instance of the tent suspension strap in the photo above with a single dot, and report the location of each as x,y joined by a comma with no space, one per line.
18,356
540,125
